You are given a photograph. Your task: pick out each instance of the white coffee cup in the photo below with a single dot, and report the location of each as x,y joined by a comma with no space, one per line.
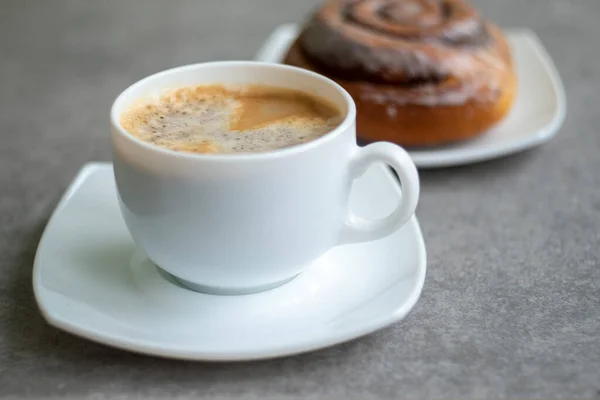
241,223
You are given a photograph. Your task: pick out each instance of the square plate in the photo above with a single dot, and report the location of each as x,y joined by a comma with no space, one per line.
90,279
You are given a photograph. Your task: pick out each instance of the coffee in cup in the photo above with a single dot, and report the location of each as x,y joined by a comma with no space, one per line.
246,219
217,119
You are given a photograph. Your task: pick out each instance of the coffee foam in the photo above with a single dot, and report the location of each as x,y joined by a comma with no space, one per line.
215,119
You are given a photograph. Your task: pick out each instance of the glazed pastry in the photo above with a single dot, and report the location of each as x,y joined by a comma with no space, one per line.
421,72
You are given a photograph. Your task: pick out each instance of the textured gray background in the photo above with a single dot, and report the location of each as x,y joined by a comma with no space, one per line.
511,305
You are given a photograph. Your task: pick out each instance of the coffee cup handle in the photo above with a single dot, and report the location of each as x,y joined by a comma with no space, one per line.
357,229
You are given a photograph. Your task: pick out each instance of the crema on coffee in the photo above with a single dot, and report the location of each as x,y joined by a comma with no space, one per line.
218,119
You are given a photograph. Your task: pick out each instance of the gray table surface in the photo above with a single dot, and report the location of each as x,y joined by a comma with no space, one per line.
511,305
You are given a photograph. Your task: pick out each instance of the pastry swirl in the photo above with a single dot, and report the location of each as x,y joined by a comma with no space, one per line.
429,53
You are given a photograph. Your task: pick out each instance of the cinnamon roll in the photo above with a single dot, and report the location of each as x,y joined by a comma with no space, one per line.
422,72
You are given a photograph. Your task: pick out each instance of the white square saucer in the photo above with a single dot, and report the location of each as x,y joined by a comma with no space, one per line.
89,279
536,116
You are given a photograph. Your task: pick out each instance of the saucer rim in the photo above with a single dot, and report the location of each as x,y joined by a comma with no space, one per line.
152,348
460,154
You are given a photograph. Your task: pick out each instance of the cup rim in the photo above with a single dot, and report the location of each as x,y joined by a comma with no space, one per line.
348,120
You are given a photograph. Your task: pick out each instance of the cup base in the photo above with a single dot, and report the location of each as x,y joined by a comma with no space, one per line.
218,290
